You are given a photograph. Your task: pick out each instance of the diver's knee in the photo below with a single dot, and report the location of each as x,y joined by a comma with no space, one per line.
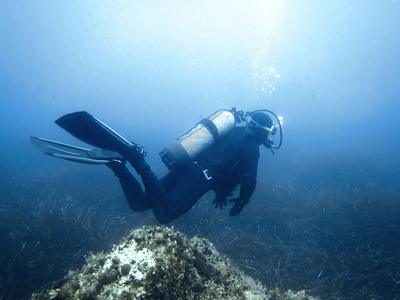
139,207
163,217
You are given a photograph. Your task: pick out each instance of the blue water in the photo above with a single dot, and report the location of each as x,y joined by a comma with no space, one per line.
151,70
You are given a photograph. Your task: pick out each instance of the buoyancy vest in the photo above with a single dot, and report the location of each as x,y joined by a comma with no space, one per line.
225,156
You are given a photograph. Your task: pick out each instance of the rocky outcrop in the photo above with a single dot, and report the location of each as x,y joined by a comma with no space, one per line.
160,263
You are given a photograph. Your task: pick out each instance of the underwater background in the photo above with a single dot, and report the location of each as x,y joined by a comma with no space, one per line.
325,216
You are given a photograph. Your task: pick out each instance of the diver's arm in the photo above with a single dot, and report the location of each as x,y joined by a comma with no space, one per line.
248,177
247,186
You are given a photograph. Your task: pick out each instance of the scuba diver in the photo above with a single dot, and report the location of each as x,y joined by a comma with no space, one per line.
220,153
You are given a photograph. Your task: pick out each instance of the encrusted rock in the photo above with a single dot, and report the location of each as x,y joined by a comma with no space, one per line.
160,263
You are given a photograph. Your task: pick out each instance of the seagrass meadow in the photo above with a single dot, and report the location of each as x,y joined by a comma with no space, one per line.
334,241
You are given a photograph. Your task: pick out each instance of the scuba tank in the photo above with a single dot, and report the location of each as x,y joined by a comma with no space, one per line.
204,134
208,131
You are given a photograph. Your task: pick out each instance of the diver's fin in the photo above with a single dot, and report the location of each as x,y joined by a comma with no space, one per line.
91,130
73,153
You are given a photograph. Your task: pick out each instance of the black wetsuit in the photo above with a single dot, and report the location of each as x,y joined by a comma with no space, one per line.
228,163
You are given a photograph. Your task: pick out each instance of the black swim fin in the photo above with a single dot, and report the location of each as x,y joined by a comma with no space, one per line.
73,153
91,130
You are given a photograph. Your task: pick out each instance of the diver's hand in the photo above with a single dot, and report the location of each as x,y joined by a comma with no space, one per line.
220,200
237,207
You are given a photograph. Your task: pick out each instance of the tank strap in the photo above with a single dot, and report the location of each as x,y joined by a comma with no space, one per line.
211,128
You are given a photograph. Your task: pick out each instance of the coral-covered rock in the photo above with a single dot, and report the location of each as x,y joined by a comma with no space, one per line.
160,263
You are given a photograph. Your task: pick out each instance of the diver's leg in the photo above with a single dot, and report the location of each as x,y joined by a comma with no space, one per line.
135,155
154,188
134,195
157,192
169,180
189,187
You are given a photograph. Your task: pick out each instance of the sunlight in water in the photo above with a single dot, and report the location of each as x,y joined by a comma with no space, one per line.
192,31
265,77
187,21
